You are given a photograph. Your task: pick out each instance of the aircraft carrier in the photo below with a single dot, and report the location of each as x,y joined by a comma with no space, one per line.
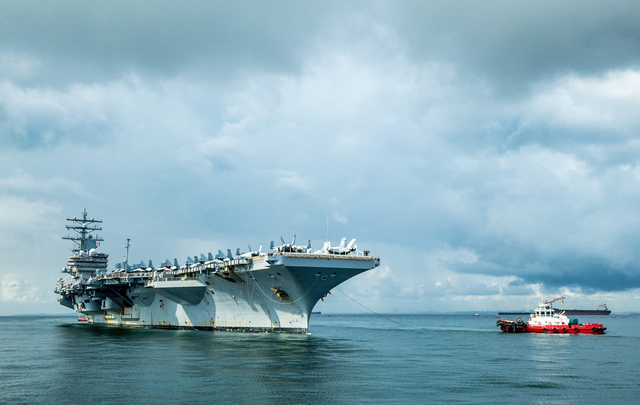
249,292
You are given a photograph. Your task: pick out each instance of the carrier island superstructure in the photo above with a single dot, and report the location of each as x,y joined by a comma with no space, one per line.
254,291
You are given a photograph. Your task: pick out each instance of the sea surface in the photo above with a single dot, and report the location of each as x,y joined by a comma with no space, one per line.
346,359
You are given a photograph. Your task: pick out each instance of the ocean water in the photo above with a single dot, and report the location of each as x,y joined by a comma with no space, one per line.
346,359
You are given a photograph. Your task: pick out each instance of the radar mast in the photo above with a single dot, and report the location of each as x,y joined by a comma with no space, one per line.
83,226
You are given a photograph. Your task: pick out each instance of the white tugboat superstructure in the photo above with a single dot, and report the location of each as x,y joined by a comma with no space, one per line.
254,291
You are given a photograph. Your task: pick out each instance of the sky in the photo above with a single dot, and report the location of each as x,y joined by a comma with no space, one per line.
488,152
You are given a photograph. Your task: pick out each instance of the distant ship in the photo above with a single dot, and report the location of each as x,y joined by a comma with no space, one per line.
602,310
249,292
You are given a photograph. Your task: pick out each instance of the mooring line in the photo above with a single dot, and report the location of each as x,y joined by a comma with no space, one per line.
374,312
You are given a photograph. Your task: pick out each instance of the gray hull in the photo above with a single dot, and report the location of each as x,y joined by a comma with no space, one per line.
269,293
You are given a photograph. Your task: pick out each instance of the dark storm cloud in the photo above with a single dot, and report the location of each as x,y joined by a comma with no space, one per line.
514,43
569,270
510,43
89,40
48,126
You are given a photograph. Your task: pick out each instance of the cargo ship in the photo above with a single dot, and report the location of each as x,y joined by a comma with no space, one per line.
249,292
602,310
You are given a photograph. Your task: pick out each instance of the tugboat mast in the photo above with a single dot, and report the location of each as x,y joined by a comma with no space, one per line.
554,300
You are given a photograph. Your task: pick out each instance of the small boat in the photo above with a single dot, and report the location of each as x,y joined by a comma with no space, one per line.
82,319
545,320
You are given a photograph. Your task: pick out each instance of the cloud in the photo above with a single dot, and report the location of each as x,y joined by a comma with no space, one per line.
480,146
23,183
548,217
19,66
33,117
19,213
15,289
294,185
605,104
477,198
221,39
340,218
513,45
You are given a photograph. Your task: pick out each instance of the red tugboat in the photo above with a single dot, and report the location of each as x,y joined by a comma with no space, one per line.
545,320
